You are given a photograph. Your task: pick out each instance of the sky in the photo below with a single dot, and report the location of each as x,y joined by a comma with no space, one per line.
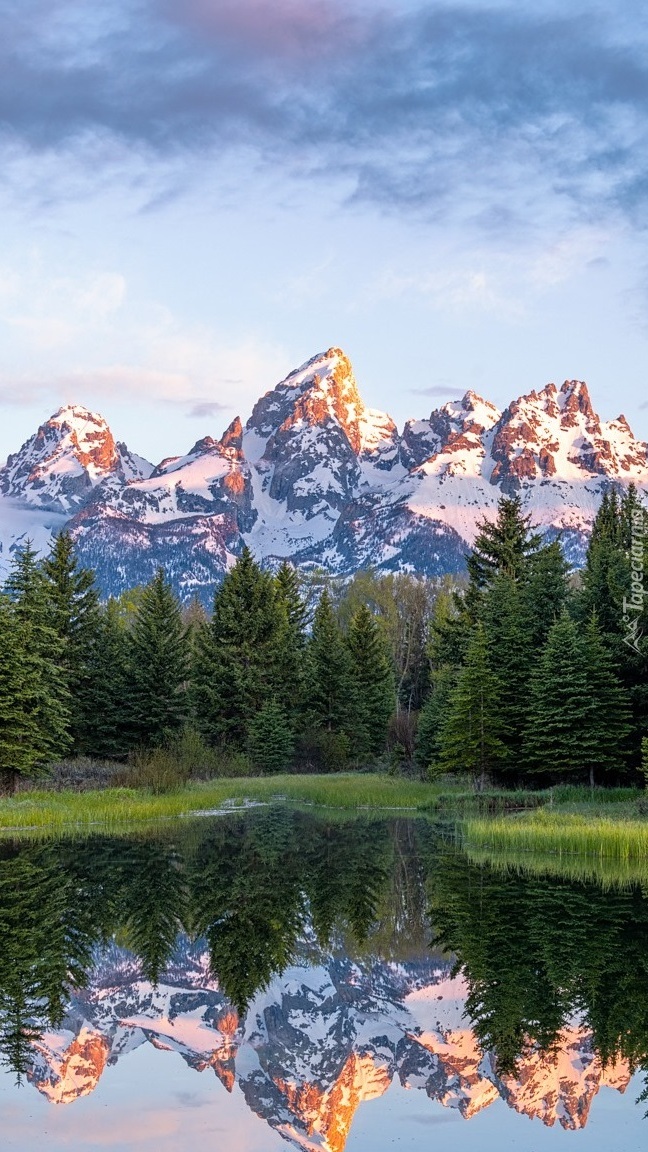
196,196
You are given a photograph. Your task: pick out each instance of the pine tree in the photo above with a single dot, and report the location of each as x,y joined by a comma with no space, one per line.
503,546
104,731
562,727
237,659
159,665
45,696
271,741
291,645
332,704
432,718
76,618
19,733
471,739
610,722
511,659
544,593
374,688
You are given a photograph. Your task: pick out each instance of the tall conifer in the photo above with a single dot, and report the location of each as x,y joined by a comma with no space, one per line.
374,687
159,665
471,740
331,697
237,660
45,696
75,616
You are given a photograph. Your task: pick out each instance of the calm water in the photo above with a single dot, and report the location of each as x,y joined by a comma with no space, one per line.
276,980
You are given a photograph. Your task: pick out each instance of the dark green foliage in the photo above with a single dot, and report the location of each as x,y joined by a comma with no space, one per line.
503,546
561,732
159,665
610,720
76,619
511,656
237,659
432,718
271,741
332,703
20,741
544,593
373,683
45,698
105,731
291,644
471,739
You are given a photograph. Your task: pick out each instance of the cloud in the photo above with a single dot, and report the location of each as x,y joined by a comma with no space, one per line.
442,390
420,107
205,408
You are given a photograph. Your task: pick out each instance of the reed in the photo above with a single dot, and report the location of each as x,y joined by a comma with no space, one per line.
56,810
608,872
561,834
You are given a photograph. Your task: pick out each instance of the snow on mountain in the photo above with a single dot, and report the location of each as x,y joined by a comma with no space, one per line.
317,1043
317,477
56,471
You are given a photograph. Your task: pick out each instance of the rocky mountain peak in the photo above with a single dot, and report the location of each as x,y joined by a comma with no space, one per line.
69,455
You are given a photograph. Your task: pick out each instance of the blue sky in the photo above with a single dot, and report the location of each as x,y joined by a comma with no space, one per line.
198,195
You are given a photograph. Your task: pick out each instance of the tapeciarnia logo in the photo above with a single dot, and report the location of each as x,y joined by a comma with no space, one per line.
634,604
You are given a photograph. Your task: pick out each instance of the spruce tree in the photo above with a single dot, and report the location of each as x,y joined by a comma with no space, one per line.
511,659
45,697
544,593
76,618
471,739
105,729
503,546
432,718
562,728
271,742
159,665
291,644
332,703
237,662
19,731
610,722
373,687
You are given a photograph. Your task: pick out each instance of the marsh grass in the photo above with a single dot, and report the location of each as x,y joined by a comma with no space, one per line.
607,871
57,810
561,834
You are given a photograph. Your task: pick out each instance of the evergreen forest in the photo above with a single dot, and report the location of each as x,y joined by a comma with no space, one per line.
525,673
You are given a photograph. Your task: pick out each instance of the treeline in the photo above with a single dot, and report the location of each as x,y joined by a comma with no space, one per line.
528,674
536,674
273,677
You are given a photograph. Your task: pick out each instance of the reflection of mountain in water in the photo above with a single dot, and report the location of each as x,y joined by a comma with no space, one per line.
326,1036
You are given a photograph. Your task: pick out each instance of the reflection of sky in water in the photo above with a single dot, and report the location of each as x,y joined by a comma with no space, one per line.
153,1100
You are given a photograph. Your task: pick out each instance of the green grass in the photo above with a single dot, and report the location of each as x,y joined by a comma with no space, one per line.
57,810
606,871
561,834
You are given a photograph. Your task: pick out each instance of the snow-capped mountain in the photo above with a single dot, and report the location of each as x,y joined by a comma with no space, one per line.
317,477
326,1036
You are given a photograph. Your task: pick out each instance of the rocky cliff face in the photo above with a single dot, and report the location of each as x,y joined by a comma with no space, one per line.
325,1037
317,477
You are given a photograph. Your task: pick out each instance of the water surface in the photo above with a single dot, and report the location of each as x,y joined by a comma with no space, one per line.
279,979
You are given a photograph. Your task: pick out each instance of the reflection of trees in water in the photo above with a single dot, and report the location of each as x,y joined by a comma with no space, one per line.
534,950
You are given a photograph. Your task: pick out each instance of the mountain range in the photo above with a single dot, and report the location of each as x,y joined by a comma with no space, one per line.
317,477
326,1036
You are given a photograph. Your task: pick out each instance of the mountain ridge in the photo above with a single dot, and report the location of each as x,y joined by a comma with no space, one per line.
319,478
326,1036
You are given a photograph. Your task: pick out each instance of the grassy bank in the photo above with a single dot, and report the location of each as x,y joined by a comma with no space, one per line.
56,810
549,833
